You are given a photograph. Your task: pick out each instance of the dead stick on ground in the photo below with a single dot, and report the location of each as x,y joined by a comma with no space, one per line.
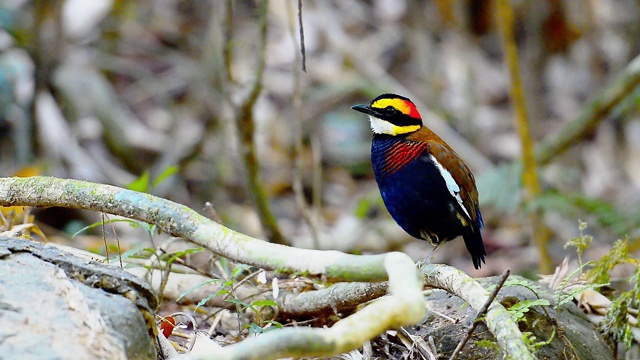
483,310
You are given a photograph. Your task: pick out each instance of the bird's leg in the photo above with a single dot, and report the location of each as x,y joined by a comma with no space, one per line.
427,260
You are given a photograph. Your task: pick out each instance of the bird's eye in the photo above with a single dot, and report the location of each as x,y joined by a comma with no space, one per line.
390,111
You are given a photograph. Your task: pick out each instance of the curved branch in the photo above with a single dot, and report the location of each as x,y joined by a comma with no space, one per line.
405,304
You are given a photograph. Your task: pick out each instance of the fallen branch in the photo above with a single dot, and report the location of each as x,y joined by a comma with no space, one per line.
347,334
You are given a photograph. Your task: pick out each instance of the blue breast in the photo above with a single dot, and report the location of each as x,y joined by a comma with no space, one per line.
415,194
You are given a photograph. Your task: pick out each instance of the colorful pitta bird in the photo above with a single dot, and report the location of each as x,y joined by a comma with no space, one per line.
428,190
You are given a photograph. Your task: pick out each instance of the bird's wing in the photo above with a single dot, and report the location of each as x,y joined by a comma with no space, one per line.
458,177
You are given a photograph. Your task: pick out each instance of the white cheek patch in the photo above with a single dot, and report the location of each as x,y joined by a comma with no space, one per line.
452,186
379,126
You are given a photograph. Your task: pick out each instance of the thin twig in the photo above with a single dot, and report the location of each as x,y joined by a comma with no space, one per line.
104,238
306,211
117,241
211,213
421,346
480,313
228,31
4,222
316,156
302,48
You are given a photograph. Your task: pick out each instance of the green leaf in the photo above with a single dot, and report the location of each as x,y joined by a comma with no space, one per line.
520,282
239,302
165,174
520,308
204,300
487,344
171,257
140,184
566,297
133,223
619,254
363,208
581,242
223,292
276,325
238,270
616,321
265,302
255,329
131,253
565,281
197,287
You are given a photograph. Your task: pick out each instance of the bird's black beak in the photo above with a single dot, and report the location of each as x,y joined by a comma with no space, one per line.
366,109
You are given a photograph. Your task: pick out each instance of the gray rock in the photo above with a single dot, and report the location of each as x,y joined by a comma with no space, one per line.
54,305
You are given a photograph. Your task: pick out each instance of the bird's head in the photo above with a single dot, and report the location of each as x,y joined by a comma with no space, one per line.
391,114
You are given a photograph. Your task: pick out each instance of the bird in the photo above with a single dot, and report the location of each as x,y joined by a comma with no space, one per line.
426,187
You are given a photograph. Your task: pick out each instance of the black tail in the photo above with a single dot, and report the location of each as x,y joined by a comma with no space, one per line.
475,246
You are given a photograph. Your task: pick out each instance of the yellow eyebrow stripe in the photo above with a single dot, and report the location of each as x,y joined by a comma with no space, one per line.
399,104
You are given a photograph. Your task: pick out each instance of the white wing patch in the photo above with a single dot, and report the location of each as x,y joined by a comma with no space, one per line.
452,186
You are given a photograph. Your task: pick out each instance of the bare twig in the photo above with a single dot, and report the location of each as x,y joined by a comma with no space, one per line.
303,52
228,31
245,128
5,223
423,348
480,313
306,211
104,237
211,212
113,228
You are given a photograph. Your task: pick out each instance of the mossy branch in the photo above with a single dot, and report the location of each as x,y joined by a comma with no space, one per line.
178,220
